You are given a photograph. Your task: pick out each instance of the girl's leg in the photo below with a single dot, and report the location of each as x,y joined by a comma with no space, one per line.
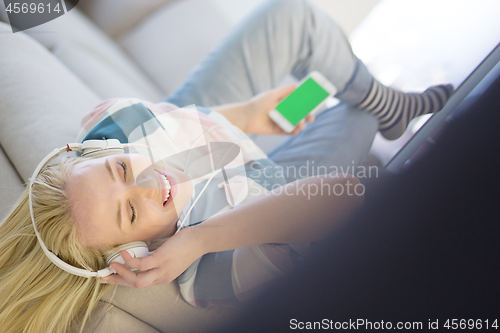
283,37
294,36
279,38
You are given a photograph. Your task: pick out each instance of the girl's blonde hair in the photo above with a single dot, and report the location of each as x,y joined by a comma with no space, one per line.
35,295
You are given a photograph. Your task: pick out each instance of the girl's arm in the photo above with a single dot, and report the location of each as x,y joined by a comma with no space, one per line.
295,213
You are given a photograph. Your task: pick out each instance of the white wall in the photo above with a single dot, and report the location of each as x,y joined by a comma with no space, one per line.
347,13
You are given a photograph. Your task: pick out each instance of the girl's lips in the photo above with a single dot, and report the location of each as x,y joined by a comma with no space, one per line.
173,187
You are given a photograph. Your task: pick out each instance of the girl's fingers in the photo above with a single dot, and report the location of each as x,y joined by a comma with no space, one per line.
300,126
289,88
131,262
310,118
141,264
128,278
147,279
285,91
115,279
123,276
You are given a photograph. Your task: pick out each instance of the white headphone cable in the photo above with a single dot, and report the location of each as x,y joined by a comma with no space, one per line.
212,176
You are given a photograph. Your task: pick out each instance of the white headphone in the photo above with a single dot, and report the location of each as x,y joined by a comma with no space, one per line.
89,148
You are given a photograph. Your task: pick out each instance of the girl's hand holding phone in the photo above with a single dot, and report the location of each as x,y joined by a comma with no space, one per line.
259,107
311,93
253,116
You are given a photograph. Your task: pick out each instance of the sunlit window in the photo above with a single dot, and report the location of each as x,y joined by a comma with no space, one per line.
410,45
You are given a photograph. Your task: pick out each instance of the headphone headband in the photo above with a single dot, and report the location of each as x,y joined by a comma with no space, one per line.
90,148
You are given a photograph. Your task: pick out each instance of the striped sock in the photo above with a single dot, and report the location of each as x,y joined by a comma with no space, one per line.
395,109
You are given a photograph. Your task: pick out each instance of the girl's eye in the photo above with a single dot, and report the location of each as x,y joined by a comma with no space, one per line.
124,167
134,213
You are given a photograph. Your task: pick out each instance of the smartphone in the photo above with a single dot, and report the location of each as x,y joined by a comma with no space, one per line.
311,93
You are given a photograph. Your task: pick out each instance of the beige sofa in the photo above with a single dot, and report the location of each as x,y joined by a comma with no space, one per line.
53,74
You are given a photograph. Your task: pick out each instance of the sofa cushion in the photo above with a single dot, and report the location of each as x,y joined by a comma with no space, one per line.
113,319
160,307
94,57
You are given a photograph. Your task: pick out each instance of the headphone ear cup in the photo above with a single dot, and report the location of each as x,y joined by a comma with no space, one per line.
136,249
99,148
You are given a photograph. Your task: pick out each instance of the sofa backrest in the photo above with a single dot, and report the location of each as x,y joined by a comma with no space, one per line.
94,57
116,17
41,101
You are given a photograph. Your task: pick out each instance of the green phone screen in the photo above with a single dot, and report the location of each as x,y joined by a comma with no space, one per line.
302,101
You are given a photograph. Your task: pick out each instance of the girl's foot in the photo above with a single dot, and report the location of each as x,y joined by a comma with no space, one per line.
395,109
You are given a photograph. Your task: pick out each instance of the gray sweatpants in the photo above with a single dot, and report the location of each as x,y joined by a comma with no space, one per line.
295,37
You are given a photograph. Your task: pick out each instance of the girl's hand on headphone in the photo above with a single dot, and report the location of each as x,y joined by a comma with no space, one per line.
164,265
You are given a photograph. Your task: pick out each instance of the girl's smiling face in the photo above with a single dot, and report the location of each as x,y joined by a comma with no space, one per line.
121,198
